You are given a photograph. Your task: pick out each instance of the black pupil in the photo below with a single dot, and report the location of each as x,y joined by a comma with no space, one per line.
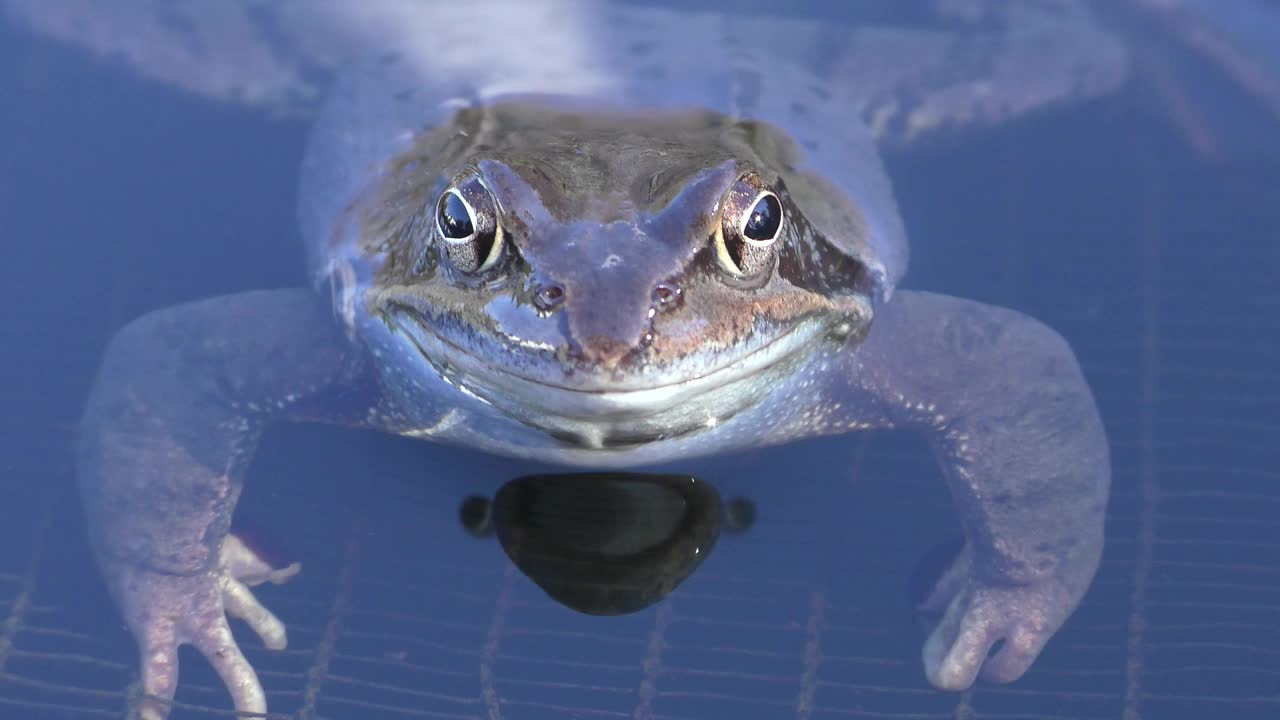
455,221
765,218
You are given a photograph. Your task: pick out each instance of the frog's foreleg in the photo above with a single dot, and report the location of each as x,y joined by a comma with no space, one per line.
173,419
1003,403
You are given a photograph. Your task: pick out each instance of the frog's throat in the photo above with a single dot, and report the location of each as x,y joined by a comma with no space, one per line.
610,416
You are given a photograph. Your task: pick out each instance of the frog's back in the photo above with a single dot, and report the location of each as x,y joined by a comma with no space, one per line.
838,88
599,59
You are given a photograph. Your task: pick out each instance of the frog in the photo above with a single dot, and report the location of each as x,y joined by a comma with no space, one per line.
584,253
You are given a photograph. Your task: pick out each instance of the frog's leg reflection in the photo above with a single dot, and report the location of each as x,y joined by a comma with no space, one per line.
170,427
1005,407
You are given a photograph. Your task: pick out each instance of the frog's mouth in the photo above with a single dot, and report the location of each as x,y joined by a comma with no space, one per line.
605,413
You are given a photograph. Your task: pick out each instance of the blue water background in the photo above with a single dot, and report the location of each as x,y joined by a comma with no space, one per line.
1159,265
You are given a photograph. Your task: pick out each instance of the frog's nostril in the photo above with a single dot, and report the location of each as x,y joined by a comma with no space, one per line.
666,295
549,296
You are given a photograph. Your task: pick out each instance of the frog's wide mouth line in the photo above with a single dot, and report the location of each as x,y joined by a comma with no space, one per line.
514,391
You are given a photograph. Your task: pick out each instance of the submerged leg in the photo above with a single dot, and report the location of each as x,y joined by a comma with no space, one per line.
1010,417
171,424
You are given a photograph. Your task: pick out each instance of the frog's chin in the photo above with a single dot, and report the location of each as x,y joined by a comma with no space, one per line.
613,415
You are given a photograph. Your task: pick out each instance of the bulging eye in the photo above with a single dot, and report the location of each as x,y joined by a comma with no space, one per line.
467,222
455,216
762,223
751,220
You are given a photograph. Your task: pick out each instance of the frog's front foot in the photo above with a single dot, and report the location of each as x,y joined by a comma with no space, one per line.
167,610
1001,399
977,614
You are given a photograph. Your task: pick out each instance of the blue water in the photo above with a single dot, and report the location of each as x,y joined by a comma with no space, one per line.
1157,263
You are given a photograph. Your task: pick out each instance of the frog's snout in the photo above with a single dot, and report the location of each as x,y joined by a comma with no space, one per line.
609,333
605,352
609,317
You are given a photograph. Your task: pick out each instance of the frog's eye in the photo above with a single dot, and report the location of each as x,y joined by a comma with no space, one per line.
751,221
467,222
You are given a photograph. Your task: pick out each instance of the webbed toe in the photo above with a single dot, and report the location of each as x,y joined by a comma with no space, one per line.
1017,621
166,611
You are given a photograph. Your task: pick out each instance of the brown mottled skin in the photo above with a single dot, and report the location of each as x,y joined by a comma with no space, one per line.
634,163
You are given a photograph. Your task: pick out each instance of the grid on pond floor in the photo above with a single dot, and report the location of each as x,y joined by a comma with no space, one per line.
1184,615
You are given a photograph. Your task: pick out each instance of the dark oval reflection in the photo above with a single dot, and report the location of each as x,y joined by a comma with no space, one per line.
606,543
